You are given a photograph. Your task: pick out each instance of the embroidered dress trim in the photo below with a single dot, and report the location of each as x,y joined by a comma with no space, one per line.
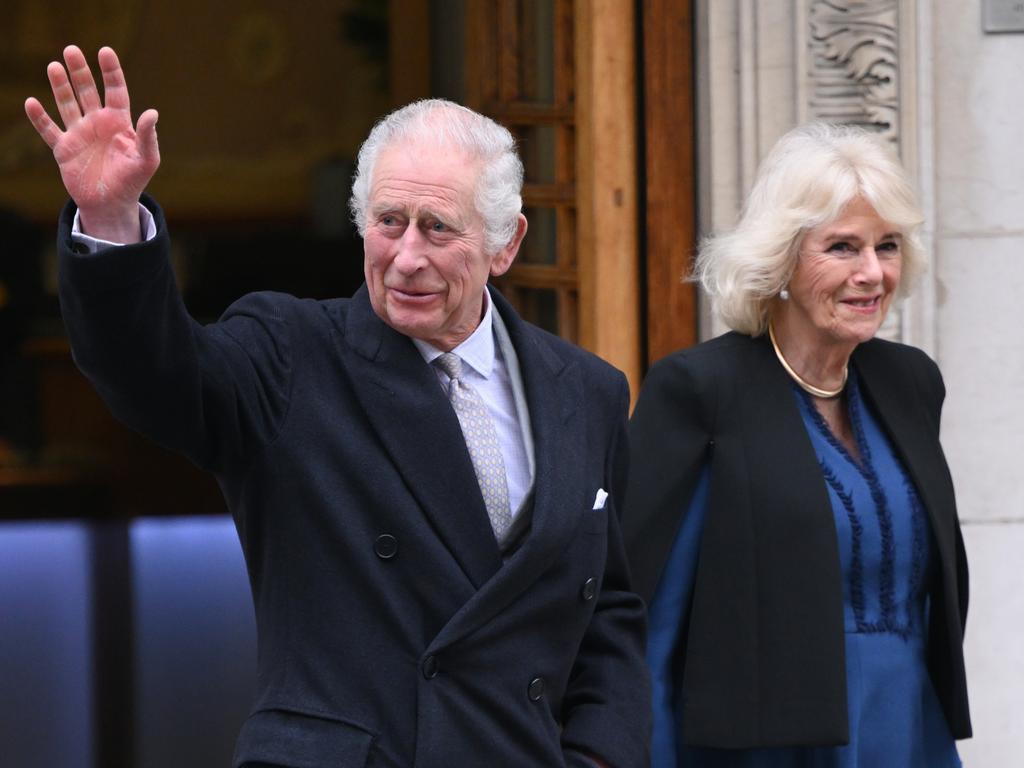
891,620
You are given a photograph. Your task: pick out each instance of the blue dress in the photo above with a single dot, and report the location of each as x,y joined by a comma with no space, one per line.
885,553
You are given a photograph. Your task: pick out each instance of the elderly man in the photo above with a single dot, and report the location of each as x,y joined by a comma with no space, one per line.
425,487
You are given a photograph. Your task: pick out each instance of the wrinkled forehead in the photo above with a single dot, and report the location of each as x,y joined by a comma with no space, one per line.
425,168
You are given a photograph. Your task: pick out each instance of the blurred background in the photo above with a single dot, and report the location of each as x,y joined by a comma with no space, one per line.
126,628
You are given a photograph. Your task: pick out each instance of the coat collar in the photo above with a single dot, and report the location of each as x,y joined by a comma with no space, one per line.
409,411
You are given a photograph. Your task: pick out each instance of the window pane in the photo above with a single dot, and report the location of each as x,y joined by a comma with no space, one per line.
537,149
536,50
539,306
540,244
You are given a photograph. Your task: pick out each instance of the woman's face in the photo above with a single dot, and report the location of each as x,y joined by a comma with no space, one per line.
846,274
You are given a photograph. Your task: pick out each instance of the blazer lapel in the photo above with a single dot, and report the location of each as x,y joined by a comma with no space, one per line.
420,431
904,421
798,508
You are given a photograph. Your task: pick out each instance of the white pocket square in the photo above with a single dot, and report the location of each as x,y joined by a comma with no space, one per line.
600,499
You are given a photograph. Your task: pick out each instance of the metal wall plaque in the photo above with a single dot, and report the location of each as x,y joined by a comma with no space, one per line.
1002,15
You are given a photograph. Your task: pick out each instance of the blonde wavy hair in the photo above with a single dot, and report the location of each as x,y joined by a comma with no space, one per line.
811,174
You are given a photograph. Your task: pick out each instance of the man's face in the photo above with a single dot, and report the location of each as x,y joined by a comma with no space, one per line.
426,265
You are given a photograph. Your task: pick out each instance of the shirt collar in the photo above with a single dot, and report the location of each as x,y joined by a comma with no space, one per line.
477,351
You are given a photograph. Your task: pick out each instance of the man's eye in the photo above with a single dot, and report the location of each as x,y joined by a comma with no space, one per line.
438,226
388,220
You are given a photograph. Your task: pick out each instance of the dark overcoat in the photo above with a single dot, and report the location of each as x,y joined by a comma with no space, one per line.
391,632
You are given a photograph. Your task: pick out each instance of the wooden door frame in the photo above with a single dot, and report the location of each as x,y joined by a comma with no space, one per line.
607,186
635,165
670,220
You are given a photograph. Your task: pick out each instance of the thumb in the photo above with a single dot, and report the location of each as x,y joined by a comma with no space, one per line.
145,132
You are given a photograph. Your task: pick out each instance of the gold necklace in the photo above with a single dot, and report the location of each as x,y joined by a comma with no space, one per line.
827,394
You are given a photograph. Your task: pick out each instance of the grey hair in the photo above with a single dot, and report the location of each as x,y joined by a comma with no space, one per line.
499,185
808,178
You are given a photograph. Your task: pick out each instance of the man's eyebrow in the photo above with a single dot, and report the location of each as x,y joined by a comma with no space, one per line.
383,206
430,213
451,220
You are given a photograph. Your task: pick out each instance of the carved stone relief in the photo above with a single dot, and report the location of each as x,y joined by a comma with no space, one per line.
853,63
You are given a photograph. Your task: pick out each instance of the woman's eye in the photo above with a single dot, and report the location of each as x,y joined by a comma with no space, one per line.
888,248
842,248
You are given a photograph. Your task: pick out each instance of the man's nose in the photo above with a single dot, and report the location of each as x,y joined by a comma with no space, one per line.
411,255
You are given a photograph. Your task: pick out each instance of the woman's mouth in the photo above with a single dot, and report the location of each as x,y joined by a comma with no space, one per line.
866,304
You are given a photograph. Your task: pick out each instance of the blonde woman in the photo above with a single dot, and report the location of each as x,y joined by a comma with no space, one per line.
790,516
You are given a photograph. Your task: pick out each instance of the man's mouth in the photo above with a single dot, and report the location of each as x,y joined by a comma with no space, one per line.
412,295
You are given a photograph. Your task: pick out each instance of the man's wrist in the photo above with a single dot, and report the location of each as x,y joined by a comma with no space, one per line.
145,222
121,227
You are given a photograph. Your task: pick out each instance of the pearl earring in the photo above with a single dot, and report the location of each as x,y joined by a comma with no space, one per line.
784,294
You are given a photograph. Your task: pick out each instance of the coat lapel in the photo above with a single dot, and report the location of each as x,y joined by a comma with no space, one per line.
421,433
553,392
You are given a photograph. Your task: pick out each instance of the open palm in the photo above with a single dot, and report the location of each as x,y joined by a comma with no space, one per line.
104,162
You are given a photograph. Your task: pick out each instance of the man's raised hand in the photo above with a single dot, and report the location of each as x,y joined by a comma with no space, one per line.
105,162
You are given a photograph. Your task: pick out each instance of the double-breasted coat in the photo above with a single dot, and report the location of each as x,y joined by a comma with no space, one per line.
392,632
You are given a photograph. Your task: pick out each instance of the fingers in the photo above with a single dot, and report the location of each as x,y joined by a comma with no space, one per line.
81,79
45,127
78,95
115,89
145,132
63,94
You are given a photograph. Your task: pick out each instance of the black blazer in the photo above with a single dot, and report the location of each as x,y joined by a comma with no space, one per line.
763,662
391,632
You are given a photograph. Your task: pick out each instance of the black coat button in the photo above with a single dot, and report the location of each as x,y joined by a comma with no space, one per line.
386,546
79,248
536,689
589,589
431,666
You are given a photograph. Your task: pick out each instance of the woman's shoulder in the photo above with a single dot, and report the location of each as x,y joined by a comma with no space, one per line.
884,354
900,368
701,365
729,348
700,374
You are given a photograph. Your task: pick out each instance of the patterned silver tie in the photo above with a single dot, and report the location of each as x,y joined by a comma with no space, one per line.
482,441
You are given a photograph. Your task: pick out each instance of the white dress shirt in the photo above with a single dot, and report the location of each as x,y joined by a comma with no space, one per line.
147,225
485,369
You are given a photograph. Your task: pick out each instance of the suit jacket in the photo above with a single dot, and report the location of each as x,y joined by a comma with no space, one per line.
763,661
391,632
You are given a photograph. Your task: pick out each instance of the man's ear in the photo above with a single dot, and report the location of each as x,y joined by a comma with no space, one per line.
503,259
